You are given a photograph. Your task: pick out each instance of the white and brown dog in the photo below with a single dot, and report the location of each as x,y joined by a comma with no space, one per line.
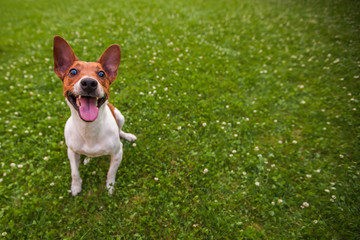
94,127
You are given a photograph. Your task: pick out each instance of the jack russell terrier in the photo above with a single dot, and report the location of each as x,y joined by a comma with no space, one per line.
94,127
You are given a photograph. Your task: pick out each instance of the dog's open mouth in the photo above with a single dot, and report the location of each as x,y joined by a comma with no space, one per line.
87,106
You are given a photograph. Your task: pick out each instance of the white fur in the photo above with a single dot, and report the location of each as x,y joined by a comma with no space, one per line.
93,139
120,120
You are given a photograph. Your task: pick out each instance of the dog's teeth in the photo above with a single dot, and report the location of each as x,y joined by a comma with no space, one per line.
78,101
79,97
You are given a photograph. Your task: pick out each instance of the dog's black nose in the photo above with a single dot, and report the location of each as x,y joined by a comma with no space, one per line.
88,84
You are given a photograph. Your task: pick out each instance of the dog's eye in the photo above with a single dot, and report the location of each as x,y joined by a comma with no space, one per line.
101,74
73,72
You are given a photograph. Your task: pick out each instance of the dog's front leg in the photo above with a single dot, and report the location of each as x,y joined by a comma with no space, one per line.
114,165
74,164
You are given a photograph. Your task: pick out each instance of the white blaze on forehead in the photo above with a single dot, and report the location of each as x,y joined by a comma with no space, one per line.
99,89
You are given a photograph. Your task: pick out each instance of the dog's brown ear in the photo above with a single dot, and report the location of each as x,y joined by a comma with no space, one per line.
110,61
64,56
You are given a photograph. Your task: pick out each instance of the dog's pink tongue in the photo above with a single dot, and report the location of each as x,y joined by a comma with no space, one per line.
88,108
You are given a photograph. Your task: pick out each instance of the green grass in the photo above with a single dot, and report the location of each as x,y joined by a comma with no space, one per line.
276,82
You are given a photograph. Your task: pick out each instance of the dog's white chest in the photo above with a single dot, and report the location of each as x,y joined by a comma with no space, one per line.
94,139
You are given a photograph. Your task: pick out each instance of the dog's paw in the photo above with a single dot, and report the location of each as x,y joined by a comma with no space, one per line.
87,160
128,136
131,137
75,189
110,187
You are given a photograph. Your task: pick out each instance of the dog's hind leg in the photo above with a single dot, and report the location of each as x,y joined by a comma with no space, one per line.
120,120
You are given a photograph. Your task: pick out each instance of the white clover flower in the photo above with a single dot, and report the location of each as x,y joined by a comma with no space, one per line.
244,173
233,151
305,204
20,166
327,190
1,179
333,197
52,184
93,173
46,158
280,142
308,175
179,128
12,164
315,221
204,124
156,179
272,203
280,200
231,155
341,156
134,144
4,234
257,183
294,142
302,102
256,148
205,171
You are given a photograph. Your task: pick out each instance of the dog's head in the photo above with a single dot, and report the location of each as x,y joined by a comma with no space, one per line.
86,85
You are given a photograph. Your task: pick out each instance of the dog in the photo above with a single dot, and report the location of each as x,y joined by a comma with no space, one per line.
94,127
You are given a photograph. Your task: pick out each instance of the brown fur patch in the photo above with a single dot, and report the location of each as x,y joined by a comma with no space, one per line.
90,69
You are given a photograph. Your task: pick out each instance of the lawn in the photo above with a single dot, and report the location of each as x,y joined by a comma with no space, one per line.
246,113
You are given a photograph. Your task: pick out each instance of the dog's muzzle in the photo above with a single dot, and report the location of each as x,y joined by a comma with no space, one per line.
87,100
